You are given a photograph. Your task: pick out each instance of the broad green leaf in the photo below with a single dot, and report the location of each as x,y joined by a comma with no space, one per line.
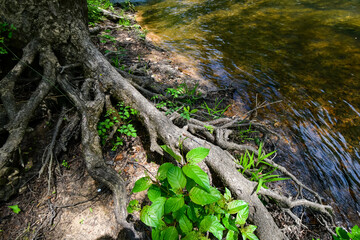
190,184
142,184
192,236
194,212
196,155
227,194
242,214
198,175
200,196
149,217
177,215
155,234
213,225
229,223
162,171
15,208
231,235
176,178
185,224
170,233
251,236
235,206
249,229
173,204
342,233
171,152
355,232
154,192
158,206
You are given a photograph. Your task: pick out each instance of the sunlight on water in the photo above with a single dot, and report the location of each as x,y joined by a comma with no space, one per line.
306,53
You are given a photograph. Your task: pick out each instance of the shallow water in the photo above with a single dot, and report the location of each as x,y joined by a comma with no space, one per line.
306,53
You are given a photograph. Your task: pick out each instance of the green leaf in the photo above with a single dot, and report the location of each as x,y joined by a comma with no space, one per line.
171,152
196,155
15,209
154,192
242,215
190,184
185,224
231,235
235,206
213,225
192,236
149,217
229,223
227,194
200,196
355,232
342,233
173,204
162,171
170,233
176,178
251,236
142,184
155,234
194,212
198,175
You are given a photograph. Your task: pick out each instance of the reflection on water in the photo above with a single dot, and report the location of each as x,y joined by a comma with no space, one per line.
305,52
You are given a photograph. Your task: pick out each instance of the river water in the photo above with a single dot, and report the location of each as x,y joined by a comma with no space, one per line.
303,52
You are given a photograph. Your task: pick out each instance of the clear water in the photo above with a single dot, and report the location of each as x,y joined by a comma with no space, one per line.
306,53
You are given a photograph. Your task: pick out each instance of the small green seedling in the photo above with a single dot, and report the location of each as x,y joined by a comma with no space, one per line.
15,209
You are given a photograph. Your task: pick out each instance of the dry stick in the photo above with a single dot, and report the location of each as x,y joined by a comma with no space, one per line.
48,156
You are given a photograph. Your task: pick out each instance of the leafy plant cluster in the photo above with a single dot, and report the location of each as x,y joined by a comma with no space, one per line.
6,32
185,205
342,234
182,100
121,119
94,14
260,171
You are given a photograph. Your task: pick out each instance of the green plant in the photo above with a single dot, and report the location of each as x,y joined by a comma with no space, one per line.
6,32
15,209
106,37
183,98
65,164
257,168
121,119
245,135
209,128
185,204
116,62
342,234
217,111
124,22
94,13
127,6
133,206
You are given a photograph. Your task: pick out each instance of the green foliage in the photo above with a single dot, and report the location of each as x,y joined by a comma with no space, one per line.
65,164
94,14
217,111
133,206
209,128
15,209
183,98
104,38
6,32
342,234
260,170
185,205
245,135
124,22
119,119
127,6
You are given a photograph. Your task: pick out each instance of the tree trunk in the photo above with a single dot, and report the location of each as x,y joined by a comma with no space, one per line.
56,30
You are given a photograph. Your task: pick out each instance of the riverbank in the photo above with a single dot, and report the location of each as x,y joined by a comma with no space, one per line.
87,214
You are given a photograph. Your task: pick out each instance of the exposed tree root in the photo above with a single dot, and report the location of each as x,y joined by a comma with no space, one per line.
103,81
